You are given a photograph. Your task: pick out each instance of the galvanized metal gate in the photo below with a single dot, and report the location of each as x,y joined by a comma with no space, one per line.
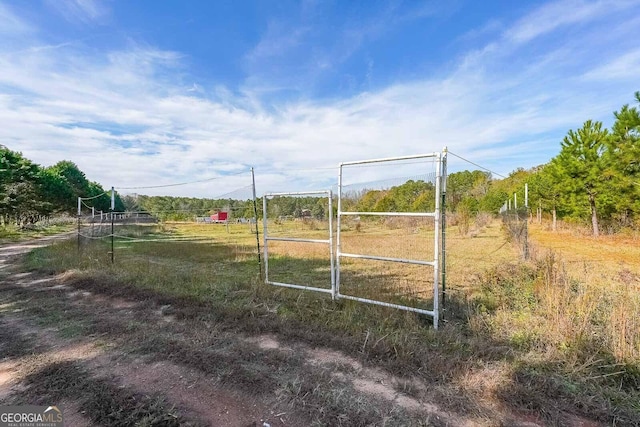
436,157
328,241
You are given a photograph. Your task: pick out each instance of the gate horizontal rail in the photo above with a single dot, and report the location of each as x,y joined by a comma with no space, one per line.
301,287
414,214
388,304
382,258
296,239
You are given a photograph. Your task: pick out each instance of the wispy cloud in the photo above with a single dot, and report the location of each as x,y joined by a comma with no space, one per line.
490,27
10,24
555,15
298,50
80,11
278,40
625,66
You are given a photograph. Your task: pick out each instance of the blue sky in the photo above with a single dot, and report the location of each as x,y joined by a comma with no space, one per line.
151,92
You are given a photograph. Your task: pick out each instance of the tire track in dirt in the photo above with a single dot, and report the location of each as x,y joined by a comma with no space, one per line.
194,393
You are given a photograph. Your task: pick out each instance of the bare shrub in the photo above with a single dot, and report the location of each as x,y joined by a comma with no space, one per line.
483,219
463,215
397,223
452,219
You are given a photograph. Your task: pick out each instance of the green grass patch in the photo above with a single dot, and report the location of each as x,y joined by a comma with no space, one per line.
11,233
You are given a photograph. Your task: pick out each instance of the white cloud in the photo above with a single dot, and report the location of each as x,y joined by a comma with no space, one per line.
133,117
490,27
277,41
10,24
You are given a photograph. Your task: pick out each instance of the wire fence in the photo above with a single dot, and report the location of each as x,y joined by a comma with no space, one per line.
387,213
226,218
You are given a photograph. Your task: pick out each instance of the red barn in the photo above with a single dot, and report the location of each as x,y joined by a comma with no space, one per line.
219,217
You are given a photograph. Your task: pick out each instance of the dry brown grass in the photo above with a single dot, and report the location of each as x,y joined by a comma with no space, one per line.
605,252
581,292
559,333
590,288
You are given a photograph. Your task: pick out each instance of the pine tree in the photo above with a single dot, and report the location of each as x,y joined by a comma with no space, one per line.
623,161
581,168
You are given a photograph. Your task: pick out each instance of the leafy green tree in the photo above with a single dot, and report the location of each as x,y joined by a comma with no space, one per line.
581,168
465,184
18,188
546,189
54,192
318,210
74,176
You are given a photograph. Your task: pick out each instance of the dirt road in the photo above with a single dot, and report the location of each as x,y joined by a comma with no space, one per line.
123,359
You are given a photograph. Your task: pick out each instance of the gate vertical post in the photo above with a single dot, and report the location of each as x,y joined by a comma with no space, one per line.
333,271
338,231
264,236
255,213
443,226
113,207
436,248
79,214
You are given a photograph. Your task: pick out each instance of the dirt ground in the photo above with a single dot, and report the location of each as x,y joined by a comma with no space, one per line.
116,360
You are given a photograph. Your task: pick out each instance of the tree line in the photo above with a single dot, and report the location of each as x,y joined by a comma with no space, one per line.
595,180
169,208
30,192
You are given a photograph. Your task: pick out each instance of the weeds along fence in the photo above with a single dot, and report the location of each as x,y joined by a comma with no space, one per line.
515,222
149,222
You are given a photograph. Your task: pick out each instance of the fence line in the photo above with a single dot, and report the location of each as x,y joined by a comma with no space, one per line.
515,223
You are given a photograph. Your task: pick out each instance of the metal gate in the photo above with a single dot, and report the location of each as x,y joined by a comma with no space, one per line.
438,160
328,241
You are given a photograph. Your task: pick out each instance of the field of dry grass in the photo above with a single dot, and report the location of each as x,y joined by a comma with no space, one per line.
575,293
608,252
591,287
551,340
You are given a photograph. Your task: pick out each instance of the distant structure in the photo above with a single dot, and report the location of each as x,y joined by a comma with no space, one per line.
219,217
216,218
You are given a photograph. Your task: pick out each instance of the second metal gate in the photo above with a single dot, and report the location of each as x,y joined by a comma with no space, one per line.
331,280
